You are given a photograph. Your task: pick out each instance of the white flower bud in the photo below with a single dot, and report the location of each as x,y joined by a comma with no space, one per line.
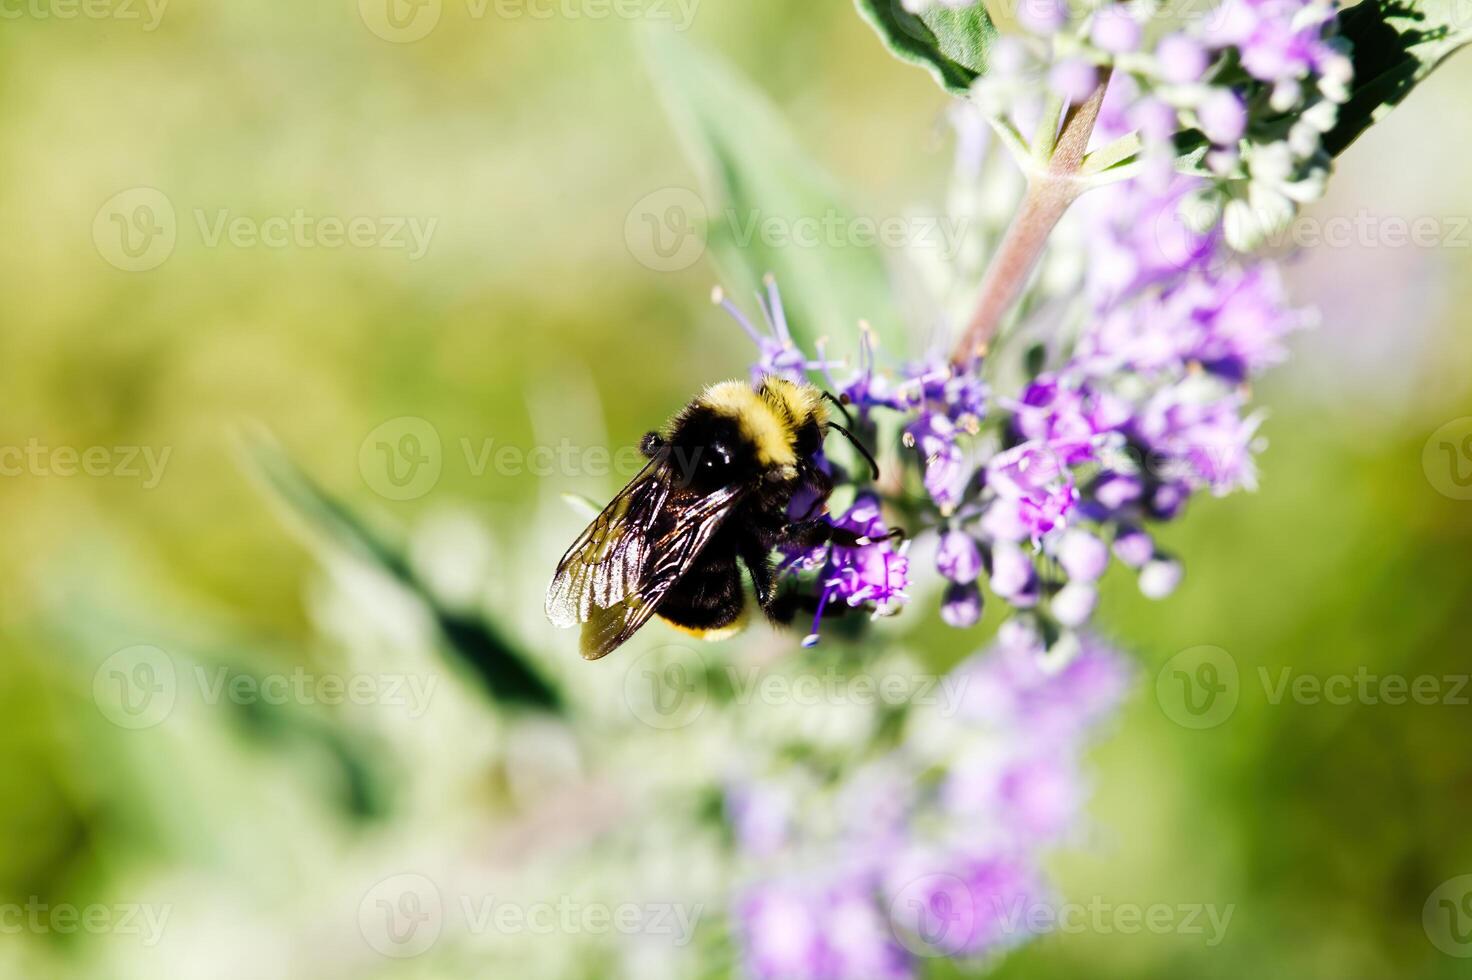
1303,140
1200,210
1322,115
1271,162
1286,95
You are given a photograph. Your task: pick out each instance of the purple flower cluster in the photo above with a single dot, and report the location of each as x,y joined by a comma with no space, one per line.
935,850
1033,491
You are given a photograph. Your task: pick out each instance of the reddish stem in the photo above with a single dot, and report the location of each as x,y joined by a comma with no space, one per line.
1049,193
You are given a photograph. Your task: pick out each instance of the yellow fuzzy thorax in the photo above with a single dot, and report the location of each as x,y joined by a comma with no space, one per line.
769,414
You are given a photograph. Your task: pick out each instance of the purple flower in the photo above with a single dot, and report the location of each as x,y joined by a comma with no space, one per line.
1223,116
1116,491
873,572
1013,576
1182,59
961,608
1068,418
760,815
933,436
1033,476
963,904
777,354
1133,547
1082,555
867,389
1115,30
959,557
1280,40
804,930
1043,17
1073,79
1206,442
1008,688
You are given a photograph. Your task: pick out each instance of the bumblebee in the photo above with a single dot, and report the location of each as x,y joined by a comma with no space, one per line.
733,476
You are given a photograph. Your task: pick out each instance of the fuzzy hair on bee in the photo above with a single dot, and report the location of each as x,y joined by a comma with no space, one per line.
732,476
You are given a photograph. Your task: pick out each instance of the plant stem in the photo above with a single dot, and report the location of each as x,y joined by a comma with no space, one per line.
1050,190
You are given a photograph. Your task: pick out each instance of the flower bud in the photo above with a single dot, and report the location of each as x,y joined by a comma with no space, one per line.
1223,116
961,608
1074,604
959,557
1115,30
1182,60
1013,575
1133,547
1159,577
1082,555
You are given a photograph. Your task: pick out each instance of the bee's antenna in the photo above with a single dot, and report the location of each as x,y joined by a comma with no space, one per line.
863,450
842,404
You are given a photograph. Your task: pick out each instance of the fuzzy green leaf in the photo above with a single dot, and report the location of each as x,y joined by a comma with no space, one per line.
770,207
507,672
952,45
1397,43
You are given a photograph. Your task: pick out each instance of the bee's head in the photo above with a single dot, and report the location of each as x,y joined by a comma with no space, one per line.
708,450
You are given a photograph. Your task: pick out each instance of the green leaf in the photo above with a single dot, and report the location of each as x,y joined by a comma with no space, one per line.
950,44
1397,43
507,672
770,207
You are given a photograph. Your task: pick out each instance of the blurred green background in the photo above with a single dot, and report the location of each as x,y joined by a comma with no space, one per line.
528,318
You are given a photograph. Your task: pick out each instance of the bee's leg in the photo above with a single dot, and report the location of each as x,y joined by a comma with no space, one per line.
757,556
816,533
651,445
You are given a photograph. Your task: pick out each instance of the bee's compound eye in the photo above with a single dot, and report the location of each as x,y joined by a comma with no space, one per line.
717,457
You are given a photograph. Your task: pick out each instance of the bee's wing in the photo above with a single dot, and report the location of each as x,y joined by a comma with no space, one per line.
614,576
